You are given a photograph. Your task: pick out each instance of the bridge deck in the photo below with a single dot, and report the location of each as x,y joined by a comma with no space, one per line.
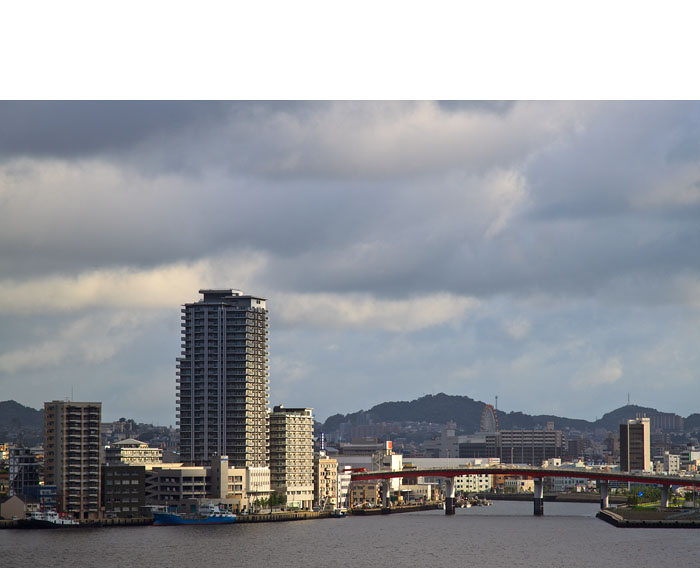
531,471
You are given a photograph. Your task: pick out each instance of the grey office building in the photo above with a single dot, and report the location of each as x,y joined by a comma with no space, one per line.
530,447
222,384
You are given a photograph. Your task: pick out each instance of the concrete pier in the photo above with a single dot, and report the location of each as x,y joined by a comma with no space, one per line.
539,497
449,496
664,496
603,486
386,488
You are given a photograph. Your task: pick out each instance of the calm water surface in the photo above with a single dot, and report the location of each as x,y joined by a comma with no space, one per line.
504,535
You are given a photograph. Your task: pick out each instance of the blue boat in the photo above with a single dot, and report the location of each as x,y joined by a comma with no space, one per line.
213,516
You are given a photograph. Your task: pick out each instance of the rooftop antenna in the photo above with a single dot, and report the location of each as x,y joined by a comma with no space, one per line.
71,393
496,402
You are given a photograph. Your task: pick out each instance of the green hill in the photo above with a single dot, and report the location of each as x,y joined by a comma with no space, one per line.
21,424
692,423
466,413
13,416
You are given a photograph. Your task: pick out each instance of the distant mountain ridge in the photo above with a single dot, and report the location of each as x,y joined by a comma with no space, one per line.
14,415
466,413
439,408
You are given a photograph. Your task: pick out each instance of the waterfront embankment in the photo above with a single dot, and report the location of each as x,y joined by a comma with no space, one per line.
279,516
29,524
630,517
395,509
273,517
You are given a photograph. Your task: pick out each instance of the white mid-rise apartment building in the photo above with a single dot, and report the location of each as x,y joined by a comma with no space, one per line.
292,455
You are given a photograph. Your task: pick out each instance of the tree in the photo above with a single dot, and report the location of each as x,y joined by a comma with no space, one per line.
277,499
643,494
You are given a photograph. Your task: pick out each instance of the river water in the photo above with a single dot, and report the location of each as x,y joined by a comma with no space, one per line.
504,535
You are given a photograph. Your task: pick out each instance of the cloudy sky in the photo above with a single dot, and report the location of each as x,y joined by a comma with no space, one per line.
544,252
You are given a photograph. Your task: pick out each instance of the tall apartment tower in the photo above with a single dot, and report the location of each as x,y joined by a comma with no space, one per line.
292,455
72,456
222,384
635,445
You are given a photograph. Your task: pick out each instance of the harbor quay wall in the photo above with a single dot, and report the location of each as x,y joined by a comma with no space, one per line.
663,520
277,516
145,521
394,509
282,516
27,524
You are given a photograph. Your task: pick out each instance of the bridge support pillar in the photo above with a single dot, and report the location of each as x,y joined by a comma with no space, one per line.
386,488
603,486
664,496
539,497
449,496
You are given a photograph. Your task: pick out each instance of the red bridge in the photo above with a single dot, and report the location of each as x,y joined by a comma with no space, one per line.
537,473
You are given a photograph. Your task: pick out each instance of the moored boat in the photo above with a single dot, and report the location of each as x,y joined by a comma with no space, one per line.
48,520
213,516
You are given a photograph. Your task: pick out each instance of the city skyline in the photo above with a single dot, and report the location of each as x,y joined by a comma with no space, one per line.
544,252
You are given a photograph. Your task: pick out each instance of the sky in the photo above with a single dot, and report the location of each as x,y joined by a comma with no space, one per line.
547,253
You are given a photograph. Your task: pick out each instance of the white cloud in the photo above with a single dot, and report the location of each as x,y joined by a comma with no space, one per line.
606,373
88,340
389,138
506,193
290,371
337,311
518,328
160,287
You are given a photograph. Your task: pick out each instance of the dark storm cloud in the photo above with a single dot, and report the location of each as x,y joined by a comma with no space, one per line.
68,129
565,212
474,246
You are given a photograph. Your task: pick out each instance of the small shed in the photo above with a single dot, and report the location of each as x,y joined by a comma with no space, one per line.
12,508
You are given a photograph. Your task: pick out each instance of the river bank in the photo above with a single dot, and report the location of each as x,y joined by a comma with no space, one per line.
29,524
274,517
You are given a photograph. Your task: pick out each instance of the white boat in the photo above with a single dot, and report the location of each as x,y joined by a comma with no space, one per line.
51,518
